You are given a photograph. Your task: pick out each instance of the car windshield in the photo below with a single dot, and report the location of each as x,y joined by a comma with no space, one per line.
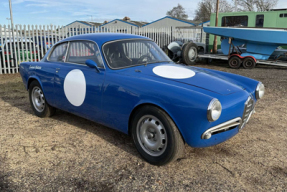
128,53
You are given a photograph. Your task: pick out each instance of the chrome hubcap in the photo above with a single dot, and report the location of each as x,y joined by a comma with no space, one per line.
191,54
38,99
151,135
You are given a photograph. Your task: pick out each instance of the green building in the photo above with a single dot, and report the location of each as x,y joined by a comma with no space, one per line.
274,18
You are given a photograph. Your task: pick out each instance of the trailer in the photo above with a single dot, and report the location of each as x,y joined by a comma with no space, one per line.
226,58
250,46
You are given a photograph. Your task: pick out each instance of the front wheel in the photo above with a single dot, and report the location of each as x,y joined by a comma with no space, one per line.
156,137
38,102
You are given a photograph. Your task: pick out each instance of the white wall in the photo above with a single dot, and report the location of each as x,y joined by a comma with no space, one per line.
77,25
119,25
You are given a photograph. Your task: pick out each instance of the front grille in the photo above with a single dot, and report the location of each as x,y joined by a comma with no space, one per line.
248,110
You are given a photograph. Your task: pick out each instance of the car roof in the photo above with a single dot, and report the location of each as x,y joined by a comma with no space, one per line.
101,38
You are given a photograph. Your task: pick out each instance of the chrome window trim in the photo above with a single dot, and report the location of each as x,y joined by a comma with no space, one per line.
123,40
54,47
101,67
68,48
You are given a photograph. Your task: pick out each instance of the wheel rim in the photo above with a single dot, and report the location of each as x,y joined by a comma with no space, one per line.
234,62
38,99
151,135
248,63
192,54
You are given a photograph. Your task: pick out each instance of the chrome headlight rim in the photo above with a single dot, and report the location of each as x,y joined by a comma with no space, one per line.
260,90
212,107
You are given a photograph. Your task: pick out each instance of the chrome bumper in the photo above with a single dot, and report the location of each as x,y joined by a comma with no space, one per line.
228,125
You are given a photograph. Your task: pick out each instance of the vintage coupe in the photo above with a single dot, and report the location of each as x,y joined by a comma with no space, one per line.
128,83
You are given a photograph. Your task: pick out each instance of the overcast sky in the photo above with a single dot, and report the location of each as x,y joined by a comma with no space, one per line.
62,12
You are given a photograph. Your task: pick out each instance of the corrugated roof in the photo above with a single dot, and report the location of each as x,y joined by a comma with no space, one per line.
138,23
91,23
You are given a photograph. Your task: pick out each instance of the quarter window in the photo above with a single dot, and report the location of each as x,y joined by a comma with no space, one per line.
80,51
59,53
231,21
259,20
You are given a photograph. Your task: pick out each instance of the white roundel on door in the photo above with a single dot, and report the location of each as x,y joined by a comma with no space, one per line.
75,87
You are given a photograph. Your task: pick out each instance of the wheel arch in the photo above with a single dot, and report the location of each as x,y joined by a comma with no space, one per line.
33,78
140,105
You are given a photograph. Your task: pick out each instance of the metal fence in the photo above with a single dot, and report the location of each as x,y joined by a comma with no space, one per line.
30,43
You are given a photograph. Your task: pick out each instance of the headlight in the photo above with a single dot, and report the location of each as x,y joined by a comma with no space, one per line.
214,110
260,89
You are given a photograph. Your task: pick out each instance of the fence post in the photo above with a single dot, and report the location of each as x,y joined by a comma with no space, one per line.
2,62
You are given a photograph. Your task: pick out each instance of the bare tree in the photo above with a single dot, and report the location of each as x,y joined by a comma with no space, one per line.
255,5
206,7
263,5
177,12
246,5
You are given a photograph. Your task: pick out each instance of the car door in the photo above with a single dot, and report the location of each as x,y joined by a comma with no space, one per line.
48,69
77,87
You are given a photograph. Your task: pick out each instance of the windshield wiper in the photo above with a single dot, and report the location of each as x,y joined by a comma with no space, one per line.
158,62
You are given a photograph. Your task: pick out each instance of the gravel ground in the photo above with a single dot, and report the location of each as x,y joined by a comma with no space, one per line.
69,153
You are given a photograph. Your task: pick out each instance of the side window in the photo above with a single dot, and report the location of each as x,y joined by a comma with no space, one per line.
259,21
80,51
237,21
58,54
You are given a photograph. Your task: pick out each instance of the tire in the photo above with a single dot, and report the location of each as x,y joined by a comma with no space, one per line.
155,136
38,102
234,62
189,53
248,63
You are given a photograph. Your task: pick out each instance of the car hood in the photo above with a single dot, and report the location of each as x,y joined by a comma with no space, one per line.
174,74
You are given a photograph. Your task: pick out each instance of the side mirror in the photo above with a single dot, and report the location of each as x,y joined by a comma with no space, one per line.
92,64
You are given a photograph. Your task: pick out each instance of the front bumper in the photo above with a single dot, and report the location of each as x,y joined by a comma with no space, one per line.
238,122
228,125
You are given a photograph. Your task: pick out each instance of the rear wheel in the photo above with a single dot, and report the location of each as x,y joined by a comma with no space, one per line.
249,63
234,62
189,53
38,102
156,137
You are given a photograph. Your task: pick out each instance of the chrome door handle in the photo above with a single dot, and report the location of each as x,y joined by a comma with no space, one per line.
57,70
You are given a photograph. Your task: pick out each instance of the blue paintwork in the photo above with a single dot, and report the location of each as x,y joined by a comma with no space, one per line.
112,95
260,43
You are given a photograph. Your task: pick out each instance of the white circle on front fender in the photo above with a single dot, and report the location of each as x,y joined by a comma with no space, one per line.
173,72
75,87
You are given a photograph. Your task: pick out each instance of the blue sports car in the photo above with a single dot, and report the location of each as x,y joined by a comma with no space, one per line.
128,83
